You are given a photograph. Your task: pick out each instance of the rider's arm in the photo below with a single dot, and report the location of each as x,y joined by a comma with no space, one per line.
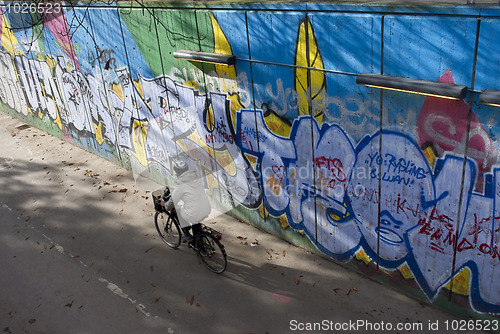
169,205
175,198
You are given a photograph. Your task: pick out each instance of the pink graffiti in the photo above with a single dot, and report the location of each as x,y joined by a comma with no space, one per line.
443,124
279,171
281,297
335,166
56,24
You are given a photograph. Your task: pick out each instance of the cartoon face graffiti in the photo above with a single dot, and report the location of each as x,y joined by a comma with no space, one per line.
443,124
405,181
390,229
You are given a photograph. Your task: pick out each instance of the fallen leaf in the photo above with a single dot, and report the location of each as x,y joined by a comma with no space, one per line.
241,238
297,282
157,299
152,268
335,290
69,304
32,321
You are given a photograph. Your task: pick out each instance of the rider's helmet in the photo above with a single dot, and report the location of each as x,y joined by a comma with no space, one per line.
180,167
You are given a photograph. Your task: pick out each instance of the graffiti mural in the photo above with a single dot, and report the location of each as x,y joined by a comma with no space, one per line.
409,183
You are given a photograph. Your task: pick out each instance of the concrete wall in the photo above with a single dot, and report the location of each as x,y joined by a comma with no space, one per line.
285,139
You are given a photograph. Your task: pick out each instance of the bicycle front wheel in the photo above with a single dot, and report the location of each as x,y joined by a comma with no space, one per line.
211,252
168,229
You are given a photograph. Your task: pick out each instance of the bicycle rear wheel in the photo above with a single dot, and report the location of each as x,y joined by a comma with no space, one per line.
211,252
168,228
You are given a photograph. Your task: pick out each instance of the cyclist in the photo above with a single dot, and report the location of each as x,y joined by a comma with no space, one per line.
189,190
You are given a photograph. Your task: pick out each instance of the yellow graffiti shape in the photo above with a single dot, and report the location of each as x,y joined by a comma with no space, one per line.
430,154
211,182
223,158
310,83
252,159
98,133
192,83
235,106
222,46
57,121
406,271
117,88
460,282
209,119
276,125
361,255
263,212
283,221
8,40
139,131
138,86
50,61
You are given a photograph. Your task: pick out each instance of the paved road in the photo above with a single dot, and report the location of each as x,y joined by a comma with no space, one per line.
79,254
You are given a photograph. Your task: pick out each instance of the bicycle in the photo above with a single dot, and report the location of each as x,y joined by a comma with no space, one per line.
206,242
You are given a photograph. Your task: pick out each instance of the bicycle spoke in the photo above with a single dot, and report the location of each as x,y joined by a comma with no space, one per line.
168,229
212,253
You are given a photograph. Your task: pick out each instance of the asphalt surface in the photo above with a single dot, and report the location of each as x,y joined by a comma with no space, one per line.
79,254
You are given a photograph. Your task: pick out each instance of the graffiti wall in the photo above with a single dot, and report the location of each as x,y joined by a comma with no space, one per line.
401,185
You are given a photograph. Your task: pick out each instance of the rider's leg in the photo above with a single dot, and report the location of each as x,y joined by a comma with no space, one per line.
186,235
196,228
185,226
